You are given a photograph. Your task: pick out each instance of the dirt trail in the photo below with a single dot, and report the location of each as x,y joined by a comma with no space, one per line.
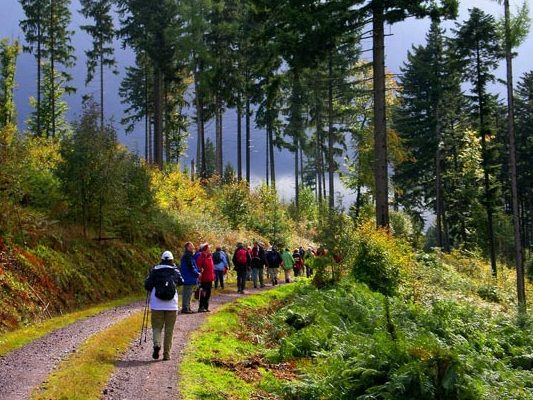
139,377
27,367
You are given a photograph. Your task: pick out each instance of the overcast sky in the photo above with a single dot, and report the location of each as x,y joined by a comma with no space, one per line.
402,37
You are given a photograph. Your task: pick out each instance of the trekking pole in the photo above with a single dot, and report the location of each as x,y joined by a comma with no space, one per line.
144,326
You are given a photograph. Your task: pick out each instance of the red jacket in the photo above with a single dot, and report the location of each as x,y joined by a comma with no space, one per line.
206,265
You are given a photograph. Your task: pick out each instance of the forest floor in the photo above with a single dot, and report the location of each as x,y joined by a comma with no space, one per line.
137,375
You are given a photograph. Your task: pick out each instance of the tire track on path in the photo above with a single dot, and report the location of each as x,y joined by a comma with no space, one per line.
24,369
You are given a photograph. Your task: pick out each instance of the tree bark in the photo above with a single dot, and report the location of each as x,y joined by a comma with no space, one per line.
218,133
519,262
380,127
101,89
158,118
486,177
52,70
239,141
331,159
39,73
248,138
271,154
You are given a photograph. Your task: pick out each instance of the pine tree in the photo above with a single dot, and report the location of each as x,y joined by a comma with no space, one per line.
34,28
136,91
478,48
8,63
152,29
514,33
102,52
382,12
431,104
50,118
524,149
60,53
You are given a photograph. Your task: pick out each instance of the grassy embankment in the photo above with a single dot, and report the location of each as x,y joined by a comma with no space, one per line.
219,361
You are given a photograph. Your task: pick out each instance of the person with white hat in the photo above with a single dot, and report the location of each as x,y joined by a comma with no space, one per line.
162,284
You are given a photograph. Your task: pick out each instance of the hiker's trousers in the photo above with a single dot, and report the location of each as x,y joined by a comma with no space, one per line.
163,320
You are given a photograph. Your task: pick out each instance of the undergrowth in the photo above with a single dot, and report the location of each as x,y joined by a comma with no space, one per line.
456,333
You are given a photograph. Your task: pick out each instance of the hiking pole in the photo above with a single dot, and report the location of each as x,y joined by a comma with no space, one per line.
145,319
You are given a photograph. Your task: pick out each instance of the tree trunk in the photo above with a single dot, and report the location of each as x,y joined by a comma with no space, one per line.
39,73
248,139
271,151
239,141
486,177
52,70
200,144
218,140
318,154
150,138
331,159
519,262
380,127
158,118
101,89
147,145
267,154
301,163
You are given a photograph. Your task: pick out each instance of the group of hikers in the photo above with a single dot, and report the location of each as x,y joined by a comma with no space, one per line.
200,268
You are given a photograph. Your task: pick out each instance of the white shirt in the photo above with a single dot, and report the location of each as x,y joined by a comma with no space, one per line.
163,305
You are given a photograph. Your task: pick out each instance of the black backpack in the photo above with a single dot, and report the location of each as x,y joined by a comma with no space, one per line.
217,257
165,288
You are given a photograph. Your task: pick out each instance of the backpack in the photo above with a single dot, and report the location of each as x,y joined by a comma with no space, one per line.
255,252
165,288
241,257
217,257
272,258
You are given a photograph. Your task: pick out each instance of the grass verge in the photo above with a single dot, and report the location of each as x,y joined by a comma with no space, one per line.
86,372
19,338
219,363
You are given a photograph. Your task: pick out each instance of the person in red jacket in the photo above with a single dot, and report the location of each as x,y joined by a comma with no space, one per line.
207,276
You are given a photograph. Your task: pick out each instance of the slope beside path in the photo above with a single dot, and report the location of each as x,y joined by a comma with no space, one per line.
27,367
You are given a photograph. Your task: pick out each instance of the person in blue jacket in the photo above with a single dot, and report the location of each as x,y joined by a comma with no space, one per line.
221,266
190,275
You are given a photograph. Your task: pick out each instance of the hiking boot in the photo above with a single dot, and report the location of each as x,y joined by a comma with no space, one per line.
166,357
155,354
262,286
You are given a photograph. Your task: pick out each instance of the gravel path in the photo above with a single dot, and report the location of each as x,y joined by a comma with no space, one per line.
139,377
27,367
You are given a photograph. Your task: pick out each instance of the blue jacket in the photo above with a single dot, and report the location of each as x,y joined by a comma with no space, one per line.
223,262
188,268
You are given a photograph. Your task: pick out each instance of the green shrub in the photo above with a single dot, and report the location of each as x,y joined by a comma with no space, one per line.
378,261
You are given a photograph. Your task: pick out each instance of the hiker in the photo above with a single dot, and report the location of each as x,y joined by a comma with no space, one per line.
309,257
190,275
162,283
258,262
288,264
207,276
241,261
273,261
221,267
249,269
298,263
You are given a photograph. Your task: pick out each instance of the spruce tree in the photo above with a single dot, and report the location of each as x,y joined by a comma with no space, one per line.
391,11
479,50
34,28
8,63
101,54
60,54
